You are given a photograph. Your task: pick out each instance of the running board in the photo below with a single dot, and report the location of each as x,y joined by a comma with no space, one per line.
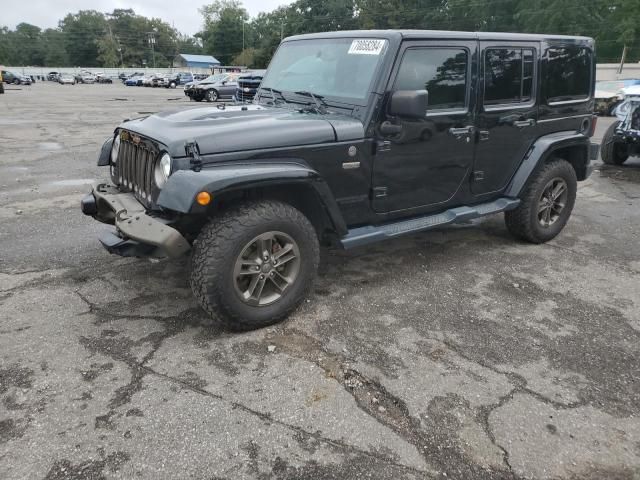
370,234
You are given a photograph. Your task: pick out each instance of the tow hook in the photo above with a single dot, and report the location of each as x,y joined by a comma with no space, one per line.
191,148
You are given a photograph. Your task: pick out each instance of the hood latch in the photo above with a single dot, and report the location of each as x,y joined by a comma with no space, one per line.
191,148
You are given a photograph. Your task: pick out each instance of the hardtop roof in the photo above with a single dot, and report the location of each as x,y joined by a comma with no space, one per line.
446,34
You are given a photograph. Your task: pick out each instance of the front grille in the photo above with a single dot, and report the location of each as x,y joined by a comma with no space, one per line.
135,167
251,84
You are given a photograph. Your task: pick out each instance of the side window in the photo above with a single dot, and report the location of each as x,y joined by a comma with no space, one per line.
440,71
568,74
508,75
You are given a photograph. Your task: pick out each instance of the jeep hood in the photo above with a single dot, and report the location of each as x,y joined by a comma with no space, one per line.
240,128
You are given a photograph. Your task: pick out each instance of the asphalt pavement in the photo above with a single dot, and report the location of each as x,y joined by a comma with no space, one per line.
459,353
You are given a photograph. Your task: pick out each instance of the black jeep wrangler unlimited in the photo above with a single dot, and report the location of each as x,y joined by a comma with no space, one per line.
352,138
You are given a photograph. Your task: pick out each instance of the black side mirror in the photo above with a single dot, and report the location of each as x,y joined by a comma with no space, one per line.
409,103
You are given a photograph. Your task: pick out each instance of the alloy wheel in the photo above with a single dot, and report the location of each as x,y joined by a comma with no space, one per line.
266,267
552,201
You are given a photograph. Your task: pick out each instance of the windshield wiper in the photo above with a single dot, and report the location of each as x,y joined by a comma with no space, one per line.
273,92
321,105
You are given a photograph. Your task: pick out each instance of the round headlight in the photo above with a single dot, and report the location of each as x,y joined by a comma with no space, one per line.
163,170
115,149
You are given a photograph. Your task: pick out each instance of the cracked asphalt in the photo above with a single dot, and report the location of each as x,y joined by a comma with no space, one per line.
457,353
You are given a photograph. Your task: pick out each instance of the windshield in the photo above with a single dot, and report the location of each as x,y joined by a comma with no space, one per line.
218,77
343,68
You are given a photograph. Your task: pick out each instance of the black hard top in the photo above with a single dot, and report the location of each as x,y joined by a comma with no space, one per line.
446,34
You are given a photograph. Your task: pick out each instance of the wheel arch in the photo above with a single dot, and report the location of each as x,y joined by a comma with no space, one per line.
291,183
571,146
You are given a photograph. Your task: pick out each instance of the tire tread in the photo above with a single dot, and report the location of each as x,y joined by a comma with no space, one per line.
215,243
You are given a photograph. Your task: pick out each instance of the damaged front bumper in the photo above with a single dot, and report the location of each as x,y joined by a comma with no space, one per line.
136,233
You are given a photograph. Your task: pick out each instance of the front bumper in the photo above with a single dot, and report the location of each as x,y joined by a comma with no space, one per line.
136,233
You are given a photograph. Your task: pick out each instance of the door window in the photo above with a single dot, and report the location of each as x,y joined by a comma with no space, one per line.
508,76
440,71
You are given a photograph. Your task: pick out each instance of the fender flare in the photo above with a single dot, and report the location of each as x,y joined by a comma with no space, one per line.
540,151
105,152
179,194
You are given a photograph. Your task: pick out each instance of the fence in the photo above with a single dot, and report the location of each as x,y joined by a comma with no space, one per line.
604,71
110,72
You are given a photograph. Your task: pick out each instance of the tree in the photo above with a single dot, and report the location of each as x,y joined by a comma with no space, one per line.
82,32
224,21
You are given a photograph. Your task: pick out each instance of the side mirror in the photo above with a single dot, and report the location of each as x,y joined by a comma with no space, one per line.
409,103
224,82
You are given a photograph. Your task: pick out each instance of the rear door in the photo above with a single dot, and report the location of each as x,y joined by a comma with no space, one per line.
507,112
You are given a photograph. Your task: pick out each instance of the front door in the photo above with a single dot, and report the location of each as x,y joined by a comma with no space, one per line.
426,161
507,112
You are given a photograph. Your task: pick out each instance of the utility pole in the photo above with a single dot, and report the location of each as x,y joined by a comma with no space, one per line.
242,36
281,29
152,42
622,60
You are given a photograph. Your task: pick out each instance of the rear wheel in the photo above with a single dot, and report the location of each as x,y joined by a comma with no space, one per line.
254,265
212,95
613,152
16,82
546,203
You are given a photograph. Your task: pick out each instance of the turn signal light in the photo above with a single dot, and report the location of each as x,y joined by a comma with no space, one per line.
203,198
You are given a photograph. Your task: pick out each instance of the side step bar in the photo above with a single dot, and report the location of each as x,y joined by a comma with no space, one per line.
370,234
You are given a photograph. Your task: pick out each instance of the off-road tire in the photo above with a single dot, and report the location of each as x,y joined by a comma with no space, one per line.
220,243
211,95
522,222
612,152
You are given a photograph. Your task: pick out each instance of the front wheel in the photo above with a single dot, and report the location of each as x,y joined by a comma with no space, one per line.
546,203
254,264
212,96
613,152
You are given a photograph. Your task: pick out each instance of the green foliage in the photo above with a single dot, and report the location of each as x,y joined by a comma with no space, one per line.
91,38
224,24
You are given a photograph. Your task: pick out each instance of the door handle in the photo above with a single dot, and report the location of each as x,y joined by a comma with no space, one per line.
530,122
461,131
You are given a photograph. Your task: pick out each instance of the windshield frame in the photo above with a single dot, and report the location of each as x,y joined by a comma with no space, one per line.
344,102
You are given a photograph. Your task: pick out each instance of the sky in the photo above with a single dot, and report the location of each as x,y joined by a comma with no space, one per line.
182,14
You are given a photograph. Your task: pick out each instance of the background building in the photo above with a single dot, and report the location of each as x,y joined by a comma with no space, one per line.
188,61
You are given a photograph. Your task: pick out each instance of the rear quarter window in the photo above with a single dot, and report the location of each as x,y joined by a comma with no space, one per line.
567,74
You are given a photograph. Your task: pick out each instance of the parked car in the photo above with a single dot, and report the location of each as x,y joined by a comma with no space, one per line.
325,158
133,81
147,80
248,84
180,78
159,81
609,94
622,138
103,78
15,78
85,77
53,76
1,82
216,87
66,79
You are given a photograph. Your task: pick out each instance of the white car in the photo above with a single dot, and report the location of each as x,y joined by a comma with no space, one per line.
87,78
66,79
